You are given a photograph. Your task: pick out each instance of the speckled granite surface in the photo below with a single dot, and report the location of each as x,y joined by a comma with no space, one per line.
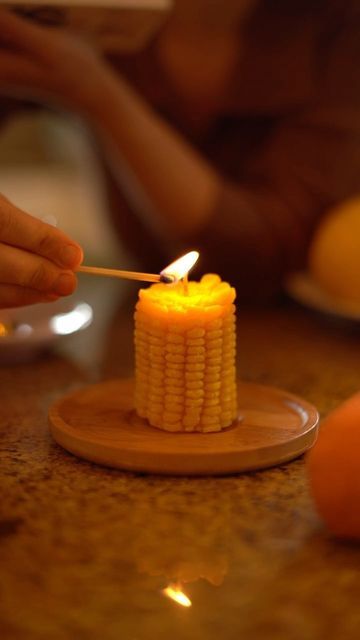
86,551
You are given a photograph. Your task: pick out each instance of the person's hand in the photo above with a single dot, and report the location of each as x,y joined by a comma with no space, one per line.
37,261
48,63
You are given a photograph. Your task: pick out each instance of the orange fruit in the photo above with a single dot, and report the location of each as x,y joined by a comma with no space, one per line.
334,255
333,466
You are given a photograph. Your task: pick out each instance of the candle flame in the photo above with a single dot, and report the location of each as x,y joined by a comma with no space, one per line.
181,267
174,593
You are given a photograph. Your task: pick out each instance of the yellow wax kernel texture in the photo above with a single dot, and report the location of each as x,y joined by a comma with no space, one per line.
174,348
185,356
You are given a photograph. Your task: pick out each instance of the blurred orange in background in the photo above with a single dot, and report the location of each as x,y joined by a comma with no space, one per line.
334,255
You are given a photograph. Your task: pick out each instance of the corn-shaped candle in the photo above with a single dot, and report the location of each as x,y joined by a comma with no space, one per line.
185,355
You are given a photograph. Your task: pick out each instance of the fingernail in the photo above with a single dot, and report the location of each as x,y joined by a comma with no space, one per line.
71,256
64,285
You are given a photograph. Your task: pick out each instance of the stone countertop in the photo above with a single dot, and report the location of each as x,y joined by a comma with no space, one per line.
86,551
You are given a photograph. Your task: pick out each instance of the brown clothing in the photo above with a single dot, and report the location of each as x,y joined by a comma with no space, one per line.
286,140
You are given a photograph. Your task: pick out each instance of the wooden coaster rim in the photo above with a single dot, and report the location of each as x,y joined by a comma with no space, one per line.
124,441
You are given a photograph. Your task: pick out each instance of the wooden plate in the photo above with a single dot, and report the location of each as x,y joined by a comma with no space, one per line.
98,423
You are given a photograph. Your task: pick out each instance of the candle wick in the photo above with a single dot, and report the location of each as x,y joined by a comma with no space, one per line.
185,282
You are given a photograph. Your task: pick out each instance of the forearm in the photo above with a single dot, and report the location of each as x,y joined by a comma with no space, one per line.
180,185
249,234
256,232
194,204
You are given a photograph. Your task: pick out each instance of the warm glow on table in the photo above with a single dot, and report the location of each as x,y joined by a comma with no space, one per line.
185,355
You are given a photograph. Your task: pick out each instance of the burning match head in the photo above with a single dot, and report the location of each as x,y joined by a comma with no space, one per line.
167,278
179,269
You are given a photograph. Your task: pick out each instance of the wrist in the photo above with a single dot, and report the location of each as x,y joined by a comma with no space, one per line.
97,101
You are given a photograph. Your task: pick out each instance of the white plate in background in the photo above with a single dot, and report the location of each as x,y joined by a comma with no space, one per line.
302,288
27,331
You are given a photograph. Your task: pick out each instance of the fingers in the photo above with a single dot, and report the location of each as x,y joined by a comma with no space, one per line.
24,34
25,269
19,229
12,296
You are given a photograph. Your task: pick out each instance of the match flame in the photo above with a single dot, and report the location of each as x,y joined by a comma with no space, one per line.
174,593
181,267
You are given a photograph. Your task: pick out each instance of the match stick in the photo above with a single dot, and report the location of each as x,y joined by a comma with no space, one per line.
126,275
